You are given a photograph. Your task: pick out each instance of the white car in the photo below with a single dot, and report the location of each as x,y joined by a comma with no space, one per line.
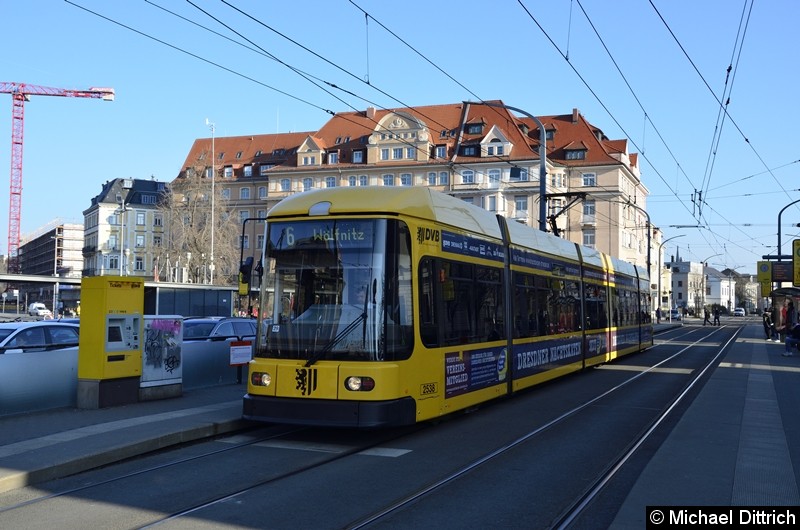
38,309
738,312
20,337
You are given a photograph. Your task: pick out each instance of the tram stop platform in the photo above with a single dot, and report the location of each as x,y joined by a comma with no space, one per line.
735,445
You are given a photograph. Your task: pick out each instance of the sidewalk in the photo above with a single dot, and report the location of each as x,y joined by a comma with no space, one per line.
736,443
43,446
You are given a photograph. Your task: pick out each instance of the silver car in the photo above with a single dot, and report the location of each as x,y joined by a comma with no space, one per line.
43,335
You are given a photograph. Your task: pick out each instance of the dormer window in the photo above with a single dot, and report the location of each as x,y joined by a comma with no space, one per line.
338,140
576,154
238,155
469,150
474,128
549,134
258,153
221,155
333,158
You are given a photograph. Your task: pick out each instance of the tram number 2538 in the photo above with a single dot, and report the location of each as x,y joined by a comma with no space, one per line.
427,389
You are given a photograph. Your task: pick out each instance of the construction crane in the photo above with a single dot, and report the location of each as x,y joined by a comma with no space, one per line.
20,93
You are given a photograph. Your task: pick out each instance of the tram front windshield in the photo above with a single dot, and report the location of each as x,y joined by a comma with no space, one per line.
338,289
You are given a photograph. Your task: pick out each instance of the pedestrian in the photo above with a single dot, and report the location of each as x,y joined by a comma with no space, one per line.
792,340
706,314
658,315
716,316
769,327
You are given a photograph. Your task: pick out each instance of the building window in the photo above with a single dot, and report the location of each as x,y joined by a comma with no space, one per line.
238,155
226,193
264,168
138,263
521,203
474,128
384,154
333,158
554,206
576,154
351,180
112,242
157,241
441,151
468,176
363,180
286,185
262,214
588,238
113,262
388,180
244,193
518,174
405,179
468,200
492,206
248,171
140,218
588,211
139,240
308,183
444,178
469,150
228,172
262,192
243,214
309,160
411,153
494,176
589,179
432,178
330,182
245,241
358,157
260,241
397,153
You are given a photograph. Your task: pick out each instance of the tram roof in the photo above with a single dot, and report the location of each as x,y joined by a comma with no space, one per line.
419,202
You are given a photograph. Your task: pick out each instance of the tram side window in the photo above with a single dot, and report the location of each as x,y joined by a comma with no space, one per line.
489,301
428,321
565,305
531,293
459,304
615,309
596,306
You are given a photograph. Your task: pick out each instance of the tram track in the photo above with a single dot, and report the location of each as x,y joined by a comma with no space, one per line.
572,512
392,507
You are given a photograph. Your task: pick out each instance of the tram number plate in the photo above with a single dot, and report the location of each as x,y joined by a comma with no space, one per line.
428,388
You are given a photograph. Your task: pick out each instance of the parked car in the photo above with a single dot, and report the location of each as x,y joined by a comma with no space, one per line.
38,309
218,328
675,314
738,312
42,335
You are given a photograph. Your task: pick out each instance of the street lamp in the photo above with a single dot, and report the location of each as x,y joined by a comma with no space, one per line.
55,274
213,176
121,211
703,272
542,160
660,246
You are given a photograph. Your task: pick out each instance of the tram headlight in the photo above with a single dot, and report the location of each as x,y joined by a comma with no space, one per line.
359,383
260,379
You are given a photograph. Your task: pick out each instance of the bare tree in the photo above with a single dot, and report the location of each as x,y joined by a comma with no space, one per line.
185,256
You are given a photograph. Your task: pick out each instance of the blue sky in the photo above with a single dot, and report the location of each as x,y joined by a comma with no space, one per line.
651,71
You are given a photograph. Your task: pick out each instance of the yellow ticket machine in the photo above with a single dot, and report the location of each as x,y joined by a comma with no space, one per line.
110,343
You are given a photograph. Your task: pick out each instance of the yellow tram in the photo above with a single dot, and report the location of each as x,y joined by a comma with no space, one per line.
388,306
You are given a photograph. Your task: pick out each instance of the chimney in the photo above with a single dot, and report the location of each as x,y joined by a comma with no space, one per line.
574,115
370,112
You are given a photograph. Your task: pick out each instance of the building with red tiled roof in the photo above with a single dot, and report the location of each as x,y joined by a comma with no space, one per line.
479,152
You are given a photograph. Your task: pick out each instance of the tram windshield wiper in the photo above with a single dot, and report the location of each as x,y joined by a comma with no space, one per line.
316,356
